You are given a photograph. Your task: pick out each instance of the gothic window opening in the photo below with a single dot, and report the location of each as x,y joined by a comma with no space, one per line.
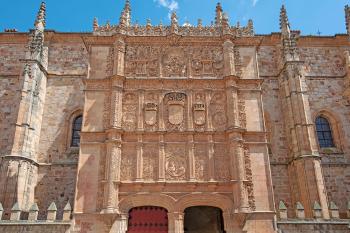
324,133
76,129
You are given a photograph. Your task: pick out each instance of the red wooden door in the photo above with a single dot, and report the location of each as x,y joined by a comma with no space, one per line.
148,219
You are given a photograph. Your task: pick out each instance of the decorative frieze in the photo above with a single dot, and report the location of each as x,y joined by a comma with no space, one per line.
174,61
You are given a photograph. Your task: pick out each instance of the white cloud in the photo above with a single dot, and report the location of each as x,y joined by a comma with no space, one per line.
171,5
255,2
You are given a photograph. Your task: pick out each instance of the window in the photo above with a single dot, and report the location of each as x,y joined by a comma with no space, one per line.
324,133
76,131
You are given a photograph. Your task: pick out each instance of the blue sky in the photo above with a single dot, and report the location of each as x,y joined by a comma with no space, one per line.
309,16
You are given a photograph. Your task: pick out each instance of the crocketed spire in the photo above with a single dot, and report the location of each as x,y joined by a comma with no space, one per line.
40,21
284,23
347,18
125,17
219,15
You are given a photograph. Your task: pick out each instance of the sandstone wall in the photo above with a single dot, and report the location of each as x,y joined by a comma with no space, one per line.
64,101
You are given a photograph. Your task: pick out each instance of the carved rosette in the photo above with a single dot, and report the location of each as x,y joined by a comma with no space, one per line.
174,62
129,119
175,162
175,110
218,111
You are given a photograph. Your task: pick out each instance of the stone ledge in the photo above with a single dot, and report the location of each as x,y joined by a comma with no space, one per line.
313,221
25,222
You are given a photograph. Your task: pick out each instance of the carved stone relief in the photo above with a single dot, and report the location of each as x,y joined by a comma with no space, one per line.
175,110
130,103
242,114
174,61
176,163
150,162
150,109
128,163
218,110
249,176
201,162
142,61
222,163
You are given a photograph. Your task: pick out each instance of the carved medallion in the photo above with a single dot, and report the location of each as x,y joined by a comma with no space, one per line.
176,102
151,113
175,165
199,113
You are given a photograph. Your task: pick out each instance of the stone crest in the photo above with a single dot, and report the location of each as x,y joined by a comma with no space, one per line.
150,110
176,102
199,113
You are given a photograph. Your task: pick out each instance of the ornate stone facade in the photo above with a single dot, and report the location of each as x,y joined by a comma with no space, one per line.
175,117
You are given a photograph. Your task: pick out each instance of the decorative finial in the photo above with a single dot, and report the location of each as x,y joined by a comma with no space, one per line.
347,18
284,23
125,17
108,24
148,24
250,26
95,24
219,13
174,23
200,23
225,22
40,21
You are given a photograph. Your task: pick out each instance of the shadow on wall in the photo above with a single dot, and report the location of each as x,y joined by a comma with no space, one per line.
57,177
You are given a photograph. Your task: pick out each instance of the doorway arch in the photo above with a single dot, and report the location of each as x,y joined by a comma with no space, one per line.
203,219
148,219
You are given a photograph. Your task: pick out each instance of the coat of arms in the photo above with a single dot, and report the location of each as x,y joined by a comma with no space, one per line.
151,113
176,102
199,113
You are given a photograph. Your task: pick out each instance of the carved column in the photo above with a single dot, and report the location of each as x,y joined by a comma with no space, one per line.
139,169
161,158
113,161
211,158
140,110
237,155
232,103
190,111
209,124
176,222
191,158
121,224
161,112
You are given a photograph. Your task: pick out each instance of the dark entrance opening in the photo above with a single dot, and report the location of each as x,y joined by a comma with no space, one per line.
148,219
203,219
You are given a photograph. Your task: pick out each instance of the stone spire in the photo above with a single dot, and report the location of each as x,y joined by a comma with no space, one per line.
37,37
219,15
95,24
125,17
174,23
347,18
288,38
284,23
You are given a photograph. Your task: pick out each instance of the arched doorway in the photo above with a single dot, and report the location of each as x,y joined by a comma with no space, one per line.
148,219
203,219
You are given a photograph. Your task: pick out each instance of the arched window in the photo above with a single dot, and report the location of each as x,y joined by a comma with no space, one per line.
76,128
324,133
